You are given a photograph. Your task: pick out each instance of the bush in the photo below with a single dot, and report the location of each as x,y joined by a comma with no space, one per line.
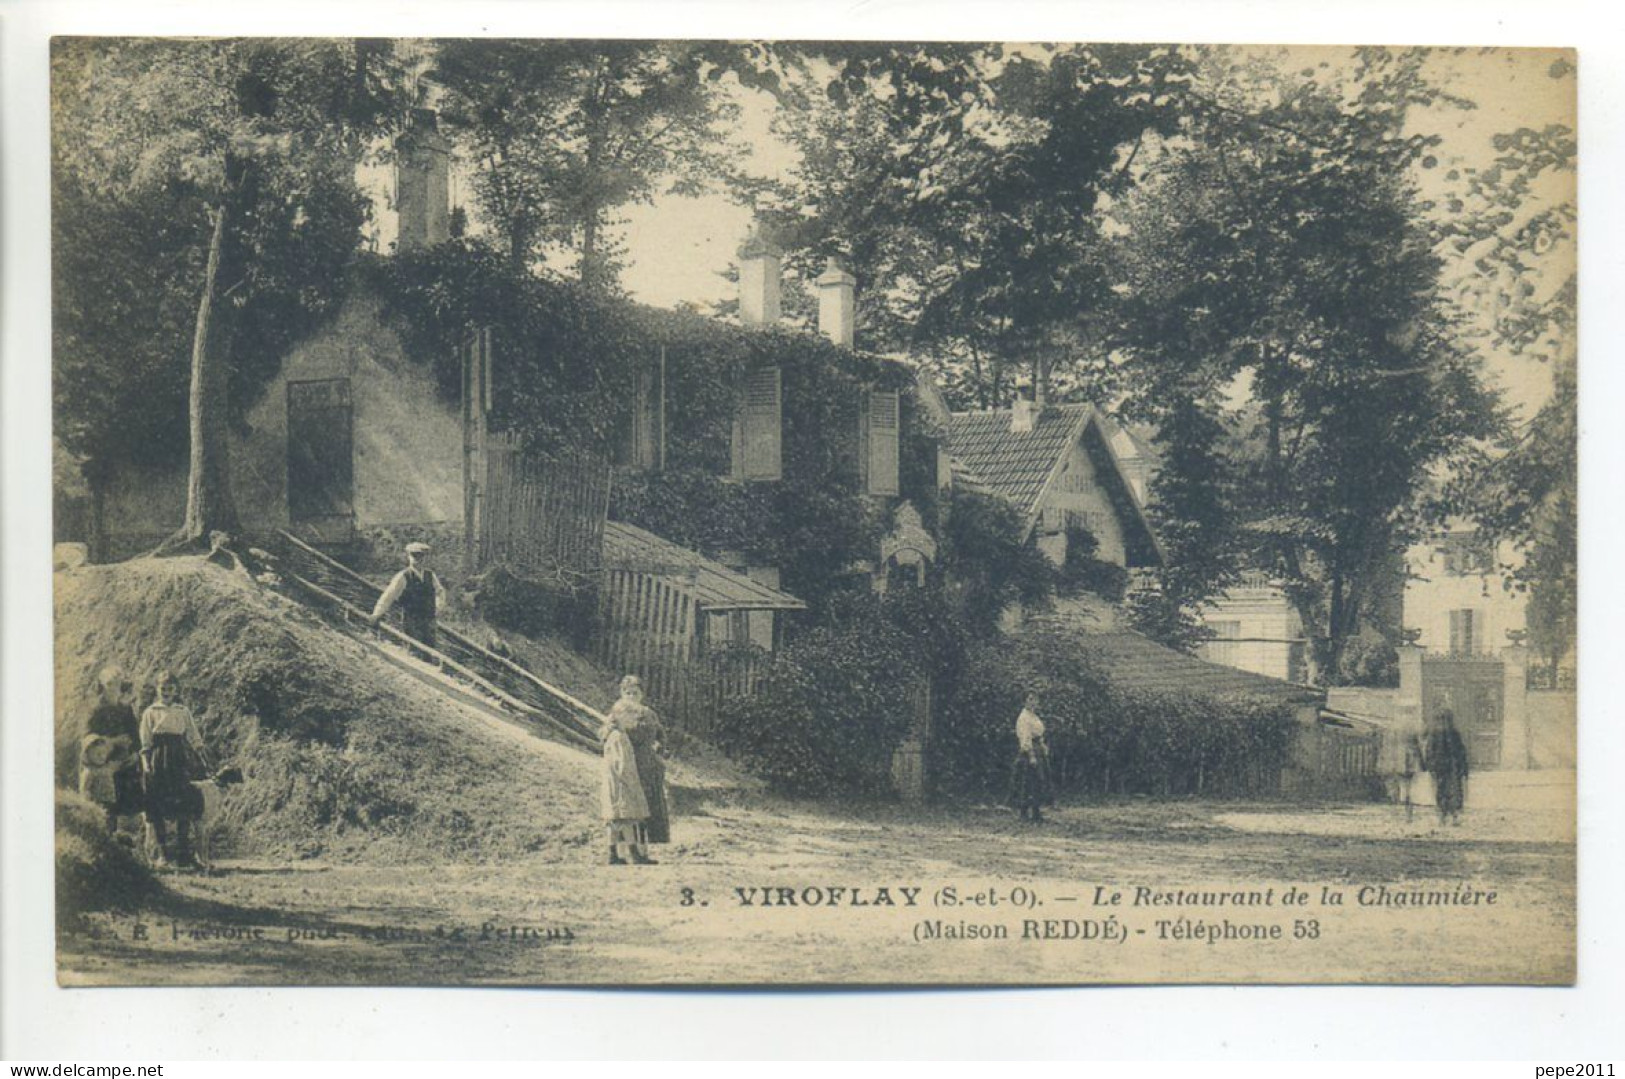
1368,660
836,702
1156,614
93,872
991,566
1083,572
537,608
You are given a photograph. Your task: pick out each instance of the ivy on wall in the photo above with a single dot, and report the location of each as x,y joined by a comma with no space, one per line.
566,360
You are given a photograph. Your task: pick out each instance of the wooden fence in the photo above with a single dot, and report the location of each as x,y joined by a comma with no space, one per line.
543,517
1334,762
649,625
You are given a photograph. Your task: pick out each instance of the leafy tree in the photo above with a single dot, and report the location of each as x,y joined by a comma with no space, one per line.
1192,509
987,560
1513,221
961,185
1281,248
223,169
1530,494
563,133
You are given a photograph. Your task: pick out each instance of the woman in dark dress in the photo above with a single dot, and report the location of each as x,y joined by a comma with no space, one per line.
1445,756
1030,788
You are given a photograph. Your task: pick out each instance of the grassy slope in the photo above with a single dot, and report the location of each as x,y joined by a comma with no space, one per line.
344,758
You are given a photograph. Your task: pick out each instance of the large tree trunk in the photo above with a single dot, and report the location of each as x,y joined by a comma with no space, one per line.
209,504
591,271
97,538
1275,474
518,246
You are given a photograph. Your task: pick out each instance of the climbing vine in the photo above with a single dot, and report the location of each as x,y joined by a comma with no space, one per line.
566,361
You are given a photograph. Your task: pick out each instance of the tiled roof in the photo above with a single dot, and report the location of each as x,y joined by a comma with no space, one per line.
1013,464
714,586
1129,661
966,478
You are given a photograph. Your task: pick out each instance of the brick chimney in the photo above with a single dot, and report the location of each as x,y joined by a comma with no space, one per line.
422,183
836,316
758,279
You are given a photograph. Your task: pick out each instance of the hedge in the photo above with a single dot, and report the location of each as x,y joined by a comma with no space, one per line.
1103,739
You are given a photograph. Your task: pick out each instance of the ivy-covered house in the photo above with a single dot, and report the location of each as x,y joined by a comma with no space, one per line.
784,456
505,418
353,438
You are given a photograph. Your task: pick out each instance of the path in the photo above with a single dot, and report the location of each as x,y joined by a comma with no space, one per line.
490,924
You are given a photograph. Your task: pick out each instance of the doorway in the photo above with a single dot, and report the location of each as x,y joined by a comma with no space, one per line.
321,464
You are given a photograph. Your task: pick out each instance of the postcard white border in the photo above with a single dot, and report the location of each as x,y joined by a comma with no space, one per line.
40,1020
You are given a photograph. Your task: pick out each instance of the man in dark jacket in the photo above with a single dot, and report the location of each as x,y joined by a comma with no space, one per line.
1445,755
418,592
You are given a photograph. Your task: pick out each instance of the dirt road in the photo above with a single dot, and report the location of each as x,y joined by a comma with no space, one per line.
755,889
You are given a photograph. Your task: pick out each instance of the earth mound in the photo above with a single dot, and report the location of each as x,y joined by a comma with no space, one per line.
344,757
93,871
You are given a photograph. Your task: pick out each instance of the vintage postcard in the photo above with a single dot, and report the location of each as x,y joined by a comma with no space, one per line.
673,512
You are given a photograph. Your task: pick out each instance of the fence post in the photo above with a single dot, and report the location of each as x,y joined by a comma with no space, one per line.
1516,737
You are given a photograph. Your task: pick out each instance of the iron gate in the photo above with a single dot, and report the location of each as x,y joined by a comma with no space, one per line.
1474,691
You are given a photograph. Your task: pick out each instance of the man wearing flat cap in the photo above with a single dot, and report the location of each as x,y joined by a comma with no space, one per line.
418,591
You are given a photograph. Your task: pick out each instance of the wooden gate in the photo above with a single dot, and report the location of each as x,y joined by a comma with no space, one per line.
1474,690
543,516
649,626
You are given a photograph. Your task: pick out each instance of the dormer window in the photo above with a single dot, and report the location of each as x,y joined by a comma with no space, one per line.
1466,556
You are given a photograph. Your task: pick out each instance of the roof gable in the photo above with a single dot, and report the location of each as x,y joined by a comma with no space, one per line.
1016,465
1020,465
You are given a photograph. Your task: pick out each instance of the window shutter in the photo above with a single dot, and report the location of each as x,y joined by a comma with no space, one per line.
881,442
1462,632
761,424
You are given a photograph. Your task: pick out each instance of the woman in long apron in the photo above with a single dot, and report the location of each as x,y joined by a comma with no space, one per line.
625,809
1030,786
642,725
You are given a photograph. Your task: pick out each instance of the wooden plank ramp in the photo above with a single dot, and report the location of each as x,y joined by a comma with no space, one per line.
458,665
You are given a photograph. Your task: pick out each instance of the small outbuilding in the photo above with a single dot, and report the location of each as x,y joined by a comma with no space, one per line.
695,630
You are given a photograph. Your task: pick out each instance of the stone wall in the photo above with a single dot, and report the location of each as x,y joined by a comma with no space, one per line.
1552,728
1363,701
